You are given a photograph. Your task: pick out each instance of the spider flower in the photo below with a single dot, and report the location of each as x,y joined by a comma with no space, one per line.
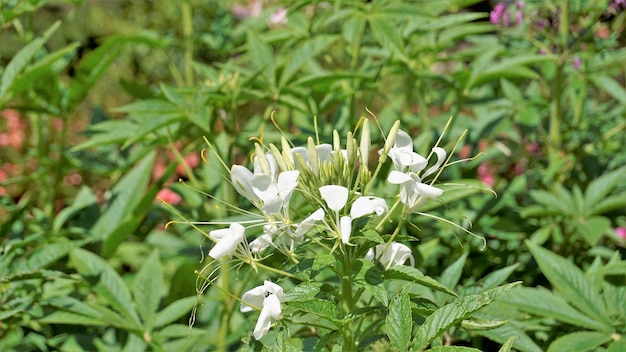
268,297
396,253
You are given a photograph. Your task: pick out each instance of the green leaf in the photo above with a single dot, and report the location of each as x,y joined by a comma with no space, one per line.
46,255
452,314
461,189
108,132
610,86
261,55
479,324
110,285
453,349
304,291
73,308
370,278
407,273
600,188
148,288
305,52
509,67
617,346
398,322
452,274
579,342
126,195
610,203
386,33
174,311
21,59
592,228
319,307
83,199
92,67
323,261
540,301
572,283
509,332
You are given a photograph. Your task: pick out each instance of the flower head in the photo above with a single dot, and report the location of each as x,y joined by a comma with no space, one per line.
227,240
267,297
394,253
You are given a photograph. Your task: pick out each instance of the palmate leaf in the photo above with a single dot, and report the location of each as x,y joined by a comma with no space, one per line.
387,35
321,308
572,283
370,278
602,187
508,332
582,341
452,314
174,311
305,52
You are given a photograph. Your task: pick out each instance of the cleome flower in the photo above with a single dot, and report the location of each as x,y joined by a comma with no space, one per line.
394,253
408,173
268,298
336,198
227,240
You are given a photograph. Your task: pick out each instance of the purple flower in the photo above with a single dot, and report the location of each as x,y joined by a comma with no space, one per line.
576,63
518,18
496,15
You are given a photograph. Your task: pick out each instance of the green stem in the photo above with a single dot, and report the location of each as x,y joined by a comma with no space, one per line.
223,331
347,301
185,8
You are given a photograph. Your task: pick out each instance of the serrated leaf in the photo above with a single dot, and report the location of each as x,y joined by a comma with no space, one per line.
304,291
174,311
110,285
93,310
579,342
452,314
108,132
21,59
322,261
319,307
452,274
506,347
370,278
509,332
398,322
407,273
148,287
49,254
544,303
479,324
83,199
572,283
592,228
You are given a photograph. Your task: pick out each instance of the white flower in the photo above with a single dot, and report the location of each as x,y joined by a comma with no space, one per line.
409,165
267,297
227,240
396,253
336,198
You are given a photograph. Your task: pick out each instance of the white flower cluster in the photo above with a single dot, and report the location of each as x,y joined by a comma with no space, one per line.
334,181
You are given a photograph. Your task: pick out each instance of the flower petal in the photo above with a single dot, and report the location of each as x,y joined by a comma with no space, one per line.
345,226
309,222
361,207
403,141
254,297
260,243
441,158
428,191
336,197
229,242
241,178
273,288
265,188
397,177
287,182
262,325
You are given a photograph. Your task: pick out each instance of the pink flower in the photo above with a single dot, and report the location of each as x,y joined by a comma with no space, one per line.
192,161
169,196
576,63
495,16
621,232
486,175
278,18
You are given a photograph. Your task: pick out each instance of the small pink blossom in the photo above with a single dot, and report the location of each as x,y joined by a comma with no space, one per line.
252,9
192,161
169,196
621,232
485,174
278,18
576,63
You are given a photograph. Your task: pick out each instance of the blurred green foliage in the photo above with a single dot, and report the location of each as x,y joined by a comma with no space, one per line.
114,99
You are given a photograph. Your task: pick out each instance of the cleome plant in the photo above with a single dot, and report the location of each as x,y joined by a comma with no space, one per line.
323,262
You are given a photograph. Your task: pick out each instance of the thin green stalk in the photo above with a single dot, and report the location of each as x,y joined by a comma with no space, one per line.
347,301
187,22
